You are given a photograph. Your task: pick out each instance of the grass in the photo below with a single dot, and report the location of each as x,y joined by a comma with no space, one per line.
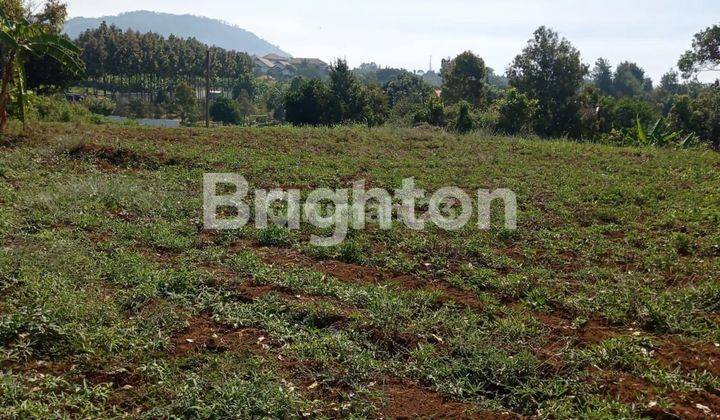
115,301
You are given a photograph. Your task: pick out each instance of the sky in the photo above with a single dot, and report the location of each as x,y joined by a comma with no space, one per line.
400,33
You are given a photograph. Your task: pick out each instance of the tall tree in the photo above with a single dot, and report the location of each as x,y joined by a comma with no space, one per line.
407,87
346,95
603,77
186,103
630,80
307,102
550,71
670,83
465,78
704,55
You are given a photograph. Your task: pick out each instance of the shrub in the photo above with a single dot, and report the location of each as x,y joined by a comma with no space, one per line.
57,109
376,105
488,119
186,103
100,106
699,115
624,112
225,110
433,113
516,112
464,120
307,102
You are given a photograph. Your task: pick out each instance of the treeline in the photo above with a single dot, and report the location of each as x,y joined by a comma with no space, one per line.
549,93
546,91
128,61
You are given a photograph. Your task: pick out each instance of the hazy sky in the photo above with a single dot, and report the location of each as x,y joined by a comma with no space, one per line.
654,33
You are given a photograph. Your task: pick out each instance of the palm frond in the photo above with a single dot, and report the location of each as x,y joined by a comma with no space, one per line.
7,39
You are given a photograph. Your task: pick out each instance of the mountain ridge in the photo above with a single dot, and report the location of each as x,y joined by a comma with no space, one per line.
207,30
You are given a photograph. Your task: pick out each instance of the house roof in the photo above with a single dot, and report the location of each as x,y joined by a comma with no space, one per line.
274,57
311,61
265,62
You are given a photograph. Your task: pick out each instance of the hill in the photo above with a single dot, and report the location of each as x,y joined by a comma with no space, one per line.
206,30
117,302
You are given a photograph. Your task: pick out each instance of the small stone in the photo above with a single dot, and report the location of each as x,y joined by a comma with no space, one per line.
703,408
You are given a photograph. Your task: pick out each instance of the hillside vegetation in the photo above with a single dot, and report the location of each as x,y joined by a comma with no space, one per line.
604,302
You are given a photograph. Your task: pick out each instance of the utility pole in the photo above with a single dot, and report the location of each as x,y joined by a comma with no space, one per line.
207,88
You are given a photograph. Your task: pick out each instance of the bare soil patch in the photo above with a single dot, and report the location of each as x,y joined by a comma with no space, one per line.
203,334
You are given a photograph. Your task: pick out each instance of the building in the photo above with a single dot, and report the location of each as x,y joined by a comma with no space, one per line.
278,66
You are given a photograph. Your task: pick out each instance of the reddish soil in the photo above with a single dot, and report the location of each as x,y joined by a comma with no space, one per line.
593,332
408,400
355,273
203,334
675,354
631,390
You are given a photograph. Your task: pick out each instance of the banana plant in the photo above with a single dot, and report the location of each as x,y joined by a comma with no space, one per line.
659,134
21,40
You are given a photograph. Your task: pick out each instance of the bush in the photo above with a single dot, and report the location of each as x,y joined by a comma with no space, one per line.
307,102
186,103
57,109
225,110
488,119
100,106
516,112
699,115
624,112
464,120
376,105
432,112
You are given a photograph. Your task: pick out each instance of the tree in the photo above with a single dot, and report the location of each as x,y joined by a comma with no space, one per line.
346,96
244,105
463,122
46,75
133,62
465,78
376,105
670,83
629,80
225,110
549,70
407,87
602,76
516,112
704,55
307,102
21,40
625,112
433,113
275,101
186,102
245,83
699,115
